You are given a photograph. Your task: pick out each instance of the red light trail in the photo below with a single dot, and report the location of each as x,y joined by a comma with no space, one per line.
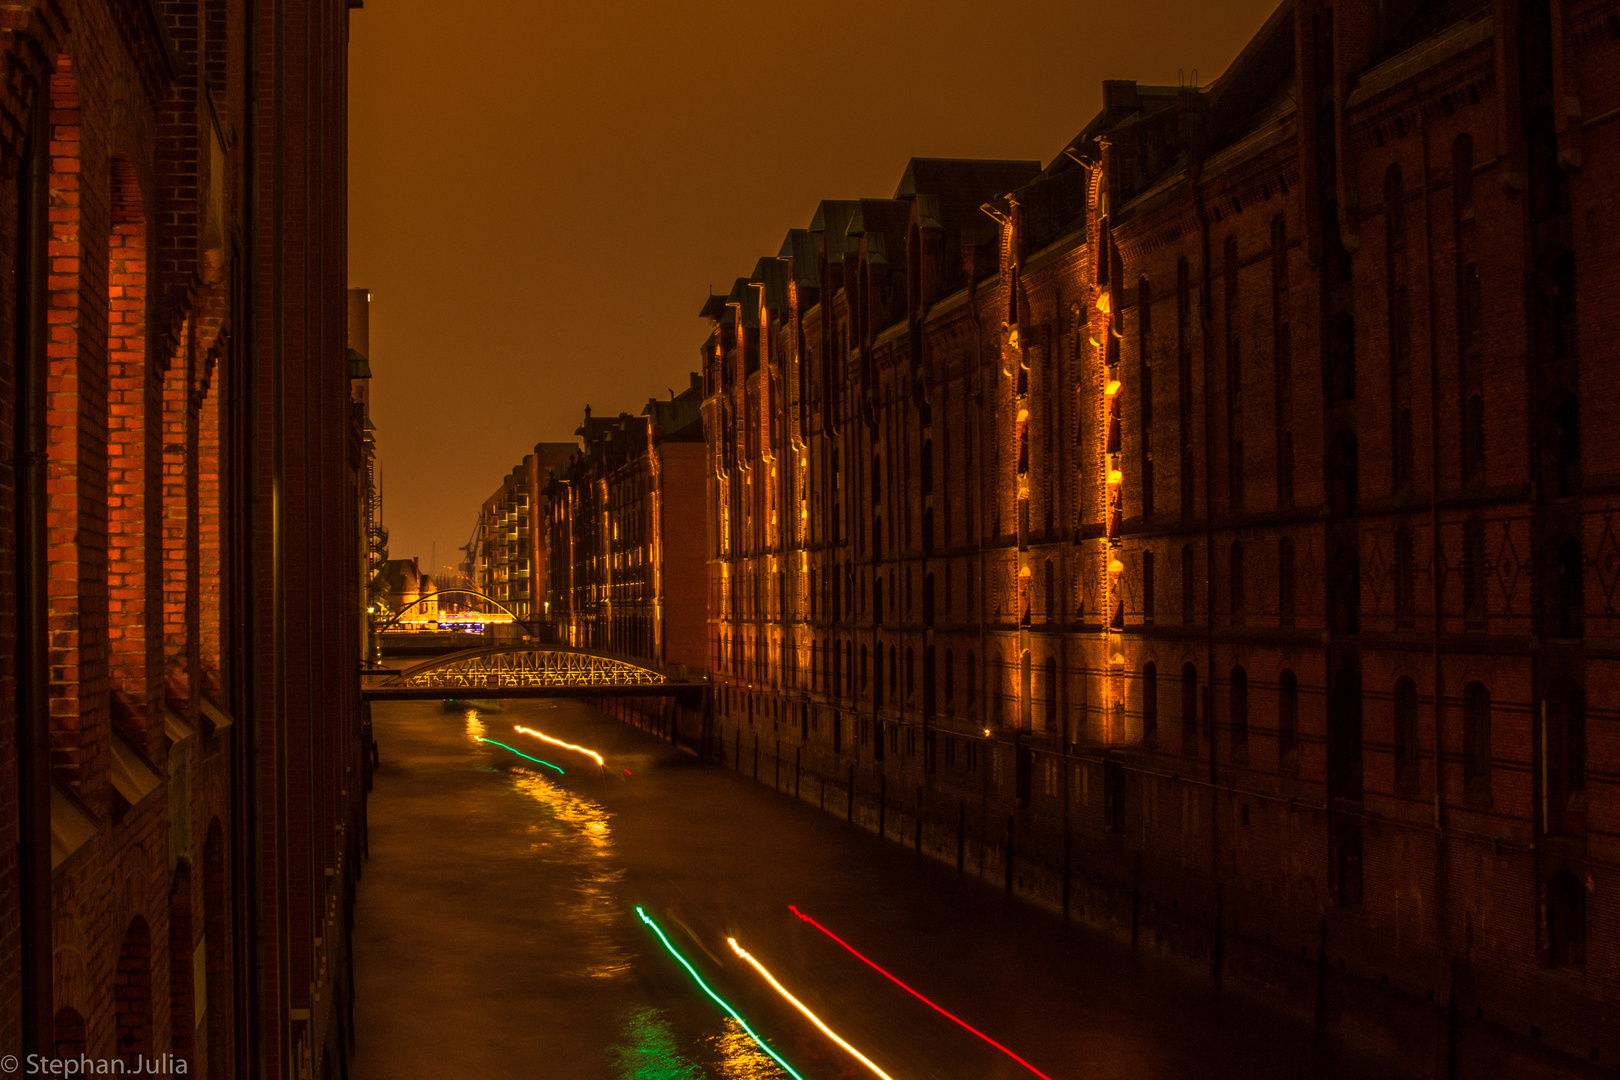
948,1015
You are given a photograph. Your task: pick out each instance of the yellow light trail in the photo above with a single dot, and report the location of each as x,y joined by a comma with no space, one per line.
559,742
797,1004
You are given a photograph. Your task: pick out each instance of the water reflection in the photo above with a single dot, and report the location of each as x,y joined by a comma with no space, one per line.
475,726
597,910
647,1049
740,1057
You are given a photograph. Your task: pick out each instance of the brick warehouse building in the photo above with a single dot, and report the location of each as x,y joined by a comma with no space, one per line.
179,524
623,526
1132,531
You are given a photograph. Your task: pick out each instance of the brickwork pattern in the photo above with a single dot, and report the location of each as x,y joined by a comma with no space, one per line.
1203,552
153,467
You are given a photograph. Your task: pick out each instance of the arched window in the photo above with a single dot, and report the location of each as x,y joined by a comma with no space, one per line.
1344,592
1287,720
1238,708
1473,436
996,683
1187,405
894,676
911,673
1147,586
1144,390
1462,178
1571,594
1049,587
971,670
1394,208
1575,741
863,667
1187,583
1405,587
1189,708
1343,475
68,1034
1150,703
1285,581
1477,742
930,681
950,683
134,983
1473,572
1239,600
1341,358
1344,735
1566,920
1561,446
1049,691
1407,779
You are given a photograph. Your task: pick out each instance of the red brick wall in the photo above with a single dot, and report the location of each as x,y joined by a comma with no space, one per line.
683,541
1245,847
149,438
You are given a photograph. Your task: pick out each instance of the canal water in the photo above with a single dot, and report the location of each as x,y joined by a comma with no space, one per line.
497,933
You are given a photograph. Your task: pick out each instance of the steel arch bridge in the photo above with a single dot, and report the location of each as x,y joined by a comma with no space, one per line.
522,671
393,619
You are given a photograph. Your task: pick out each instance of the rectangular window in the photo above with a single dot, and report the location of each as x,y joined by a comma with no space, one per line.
1147,586
1187,584
1285,581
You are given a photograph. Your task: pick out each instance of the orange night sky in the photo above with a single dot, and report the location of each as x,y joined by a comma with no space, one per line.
541,194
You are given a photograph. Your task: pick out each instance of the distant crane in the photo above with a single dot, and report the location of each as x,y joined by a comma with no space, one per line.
473,549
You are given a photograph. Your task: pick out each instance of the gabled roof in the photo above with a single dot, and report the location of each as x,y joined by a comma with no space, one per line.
800,246
773,274
959,186
832,218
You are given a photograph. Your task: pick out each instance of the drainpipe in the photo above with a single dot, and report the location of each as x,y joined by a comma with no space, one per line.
1441,858
978,393
1436,595
1195,170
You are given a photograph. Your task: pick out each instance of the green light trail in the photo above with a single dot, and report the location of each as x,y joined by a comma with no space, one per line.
519,753
699,980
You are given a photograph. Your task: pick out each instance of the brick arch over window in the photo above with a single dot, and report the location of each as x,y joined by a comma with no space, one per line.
68,1035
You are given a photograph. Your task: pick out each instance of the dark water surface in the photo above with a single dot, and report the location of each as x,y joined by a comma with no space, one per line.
496,933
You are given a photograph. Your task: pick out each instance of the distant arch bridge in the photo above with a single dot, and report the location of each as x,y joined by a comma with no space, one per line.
517,670
394,619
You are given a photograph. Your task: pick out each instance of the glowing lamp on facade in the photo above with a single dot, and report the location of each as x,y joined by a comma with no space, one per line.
1023,572
1112,388
1115,477
1115,566
1023,415
1118,660
1023,492
1105,304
